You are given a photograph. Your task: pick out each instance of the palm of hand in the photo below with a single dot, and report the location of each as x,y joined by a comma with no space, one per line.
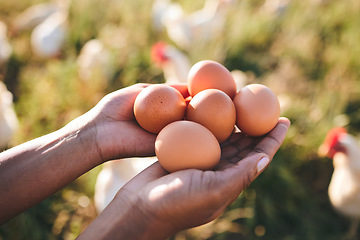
192,197
118,134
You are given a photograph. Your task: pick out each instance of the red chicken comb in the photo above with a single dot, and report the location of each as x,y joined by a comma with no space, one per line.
332,138
157,52
330,145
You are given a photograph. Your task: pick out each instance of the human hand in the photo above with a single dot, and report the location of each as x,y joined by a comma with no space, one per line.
168,203
118,135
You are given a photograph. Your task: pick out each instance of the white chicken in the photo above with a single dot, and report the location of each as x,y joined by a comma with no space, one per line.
114,175
8,118
174,63
94,60
34,15
344,188
161,8
198,27
48,38
5,46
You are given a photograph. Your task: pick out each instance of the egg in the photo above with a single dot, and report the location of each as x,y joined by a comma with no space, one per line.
158,105
186,144
257,109
208,74
215,110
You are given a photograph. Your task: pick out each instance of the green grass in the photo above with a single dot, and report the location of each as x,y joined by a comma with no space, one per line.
310,53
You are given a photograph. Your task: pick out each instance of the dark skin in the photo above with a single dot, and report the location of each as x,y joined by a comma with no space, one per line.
158,203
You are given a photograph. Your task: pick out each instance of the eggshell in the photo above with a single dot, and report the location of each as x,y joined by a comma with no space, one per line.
257,109
186,144
208,74
215,110
158,105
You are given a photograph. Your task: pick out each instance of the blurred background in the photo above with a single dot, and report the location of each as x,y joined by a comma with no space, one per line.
306,51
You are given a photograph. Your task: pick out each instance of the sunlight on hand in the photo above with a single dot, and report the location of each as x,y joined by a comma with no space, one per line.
158,191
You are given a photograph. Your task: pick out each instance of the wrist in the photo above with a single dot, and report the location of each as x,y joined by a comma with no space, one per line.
83,134
126,219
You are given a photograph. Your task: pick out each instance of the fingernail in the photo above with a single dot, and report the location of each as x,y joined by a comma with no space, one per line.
262,163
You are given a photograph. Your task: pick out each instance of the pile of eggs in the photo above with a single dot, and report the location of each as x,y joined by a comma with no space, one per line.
191,130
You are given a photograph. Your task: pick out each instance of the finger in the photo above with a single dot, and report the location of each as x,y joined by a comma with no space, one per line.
273,140
242,174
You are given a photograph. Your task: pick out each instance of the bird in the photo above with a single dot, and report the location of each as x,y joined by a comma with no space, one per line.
48,38
5,46
34,15
176,65
344,188
161,8
198,27
8,118
94,60
115,174
173,62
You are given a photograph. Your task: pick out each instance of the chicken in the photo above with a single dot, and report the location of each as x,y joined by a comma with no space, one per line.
162,8
114,175
198,27
344,188
174,63
5,47
94,60
48,38
34,15
8,118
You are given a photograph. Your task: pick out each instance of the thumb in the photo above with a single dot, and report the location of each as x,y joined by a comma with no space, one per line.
244,172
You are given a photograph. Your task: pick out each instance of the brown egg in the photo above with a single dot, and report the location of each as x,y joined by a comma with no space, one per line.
208,74
158,105
186,144
257,109
215,110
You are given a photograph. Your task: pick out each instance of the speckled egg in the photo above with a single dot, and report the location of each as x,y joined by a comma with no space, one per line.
158,105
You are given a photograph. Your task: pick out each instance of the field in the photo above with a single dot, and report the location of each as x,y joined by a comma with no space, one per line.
307,52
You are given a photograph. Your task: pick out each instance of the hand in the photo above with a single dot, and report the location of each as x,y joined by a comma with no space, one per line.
118,135
168,203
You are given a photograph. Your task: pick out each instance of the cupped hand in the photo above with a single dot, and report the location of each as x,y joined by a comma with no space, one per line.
118,135
189,198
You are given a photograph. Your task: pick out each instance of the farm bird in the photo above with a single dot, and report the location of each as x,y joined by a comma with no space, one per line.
94,60
114,175
48,37
161,8
8,117
199,26
5,47
174,63
344,188
34,15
